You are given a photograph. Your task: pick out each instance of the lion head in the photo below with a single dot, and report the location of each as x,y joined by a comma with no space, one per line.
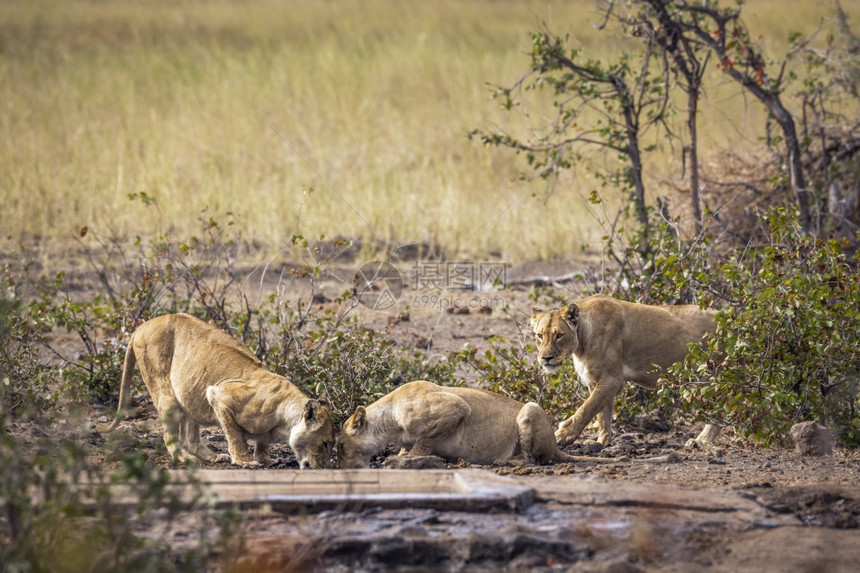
355,445
312,438
555,335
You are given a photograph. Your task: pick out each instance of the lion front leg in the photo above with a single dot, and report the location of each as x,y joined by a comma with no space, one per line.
261,452
600,404
237,444
706,438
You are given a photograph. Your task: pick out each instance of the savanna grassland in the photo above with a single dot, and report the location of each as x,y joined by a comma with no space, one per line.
339,118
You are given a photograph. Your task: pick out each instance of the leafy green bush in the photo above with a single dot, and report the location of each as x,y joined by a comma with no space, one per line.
787,348
787,337
787,342
348,364
511,370
349,367
26,381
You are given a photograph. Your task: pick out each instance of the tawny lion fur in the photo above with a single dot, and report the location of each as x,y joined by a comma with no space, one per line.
198,375
613,341
422,418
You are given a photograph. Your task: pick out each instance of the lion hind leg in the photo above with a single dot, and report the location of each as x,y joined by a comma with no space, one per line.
189,435
193,443
706,438
604,423
440,417
237,444
209,453
536,438
173,422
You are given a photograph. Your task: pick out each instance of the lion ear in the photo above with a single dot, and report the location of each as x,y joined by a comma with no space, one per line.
533,319
312,409
570,313
359,418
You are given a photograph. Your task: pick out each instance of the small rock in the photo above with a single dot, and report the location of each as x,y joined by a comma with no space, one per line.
811,439
651,422
591,448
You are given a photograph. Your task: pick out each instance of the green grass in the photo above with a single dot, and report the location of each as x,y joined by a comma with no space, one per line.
321,118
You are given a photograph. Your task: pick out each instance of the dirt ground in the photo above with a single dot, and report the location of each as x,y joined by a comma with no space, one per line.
803,512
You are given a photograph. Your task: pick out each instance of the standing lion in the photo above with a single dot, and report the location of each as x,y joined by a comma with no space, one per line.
198,375
613,341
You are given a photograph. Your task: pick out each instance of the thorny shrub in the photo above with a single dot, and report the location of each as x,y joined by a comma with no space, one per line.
25,382
786,349
511,370
787,343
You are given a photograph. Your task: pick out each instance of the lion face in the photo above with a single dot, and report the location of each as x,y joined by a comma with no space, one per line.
312,438
555,335
355,446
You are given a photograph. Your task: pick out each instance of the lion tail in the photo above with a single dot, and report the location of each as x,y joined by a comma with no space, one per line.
125,385
561,456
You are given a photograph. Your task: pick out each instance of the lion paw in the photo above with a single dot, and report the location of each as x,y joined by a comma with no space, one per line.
696,444
183,458
246,463
563,437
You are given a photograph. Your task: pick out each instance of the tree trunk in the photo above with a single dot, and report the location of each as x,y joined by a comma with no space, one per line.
693,104
795,168
634,172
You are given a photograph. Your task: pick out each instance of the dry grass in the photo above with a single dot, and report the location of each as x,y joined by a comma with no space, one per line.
321,118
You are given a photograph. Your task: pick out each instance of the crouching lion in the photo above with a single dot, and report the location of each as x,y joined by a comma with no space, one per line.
198,375
611,341
423,419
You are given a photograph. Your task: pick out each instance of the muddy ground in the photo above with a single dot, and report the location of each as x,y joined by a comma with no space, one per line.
736,507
